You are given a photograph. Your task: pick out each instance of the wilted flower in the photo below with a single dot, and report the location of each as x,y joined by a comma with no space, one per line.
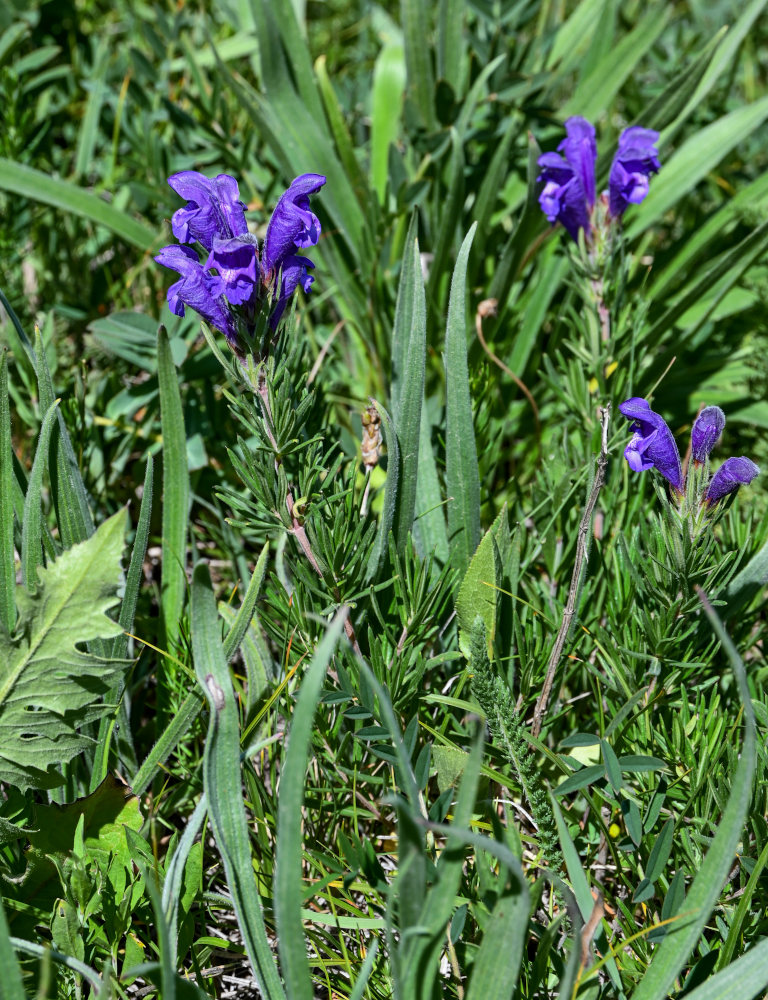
569,194
235,284
653,446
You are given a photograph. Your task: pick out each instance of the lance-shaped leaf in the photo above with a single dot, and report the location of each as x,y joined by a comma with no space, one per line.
50,687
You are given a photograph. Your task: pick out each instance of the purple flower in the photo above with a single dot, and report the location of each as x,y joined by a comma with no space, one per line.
569,184
234,284
237,264
568,195
292,225
733,473
213,208
636,159
652,444
706,432
197,289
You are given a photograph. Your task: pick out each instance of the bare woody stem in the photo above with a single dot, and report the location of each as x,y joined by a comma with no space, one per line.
582,548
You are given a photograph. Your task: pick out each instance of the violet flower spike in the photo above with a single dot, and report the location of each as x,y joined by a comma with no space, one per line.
733,473
706,432
292,226
652,444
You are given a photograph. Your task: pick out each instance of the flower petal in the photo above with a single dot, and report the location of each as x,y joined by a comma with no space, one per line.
237,263
213,208
580,150
196,289
292,224
652,444
707,428
734,472
294,273
636,159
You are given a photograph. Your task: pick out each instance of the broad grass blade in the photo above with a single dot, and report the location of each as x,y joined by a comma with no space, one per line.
175,491
674,950
389,76
246,611
462,475
223,783
289,886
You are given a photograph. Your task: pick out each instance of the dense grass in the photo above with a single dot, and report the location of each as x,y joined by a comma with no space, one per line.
397,825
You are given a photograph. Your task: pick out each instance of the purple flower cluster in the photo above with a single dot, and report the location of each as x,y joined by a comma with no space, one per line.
653,446
569,194
228,289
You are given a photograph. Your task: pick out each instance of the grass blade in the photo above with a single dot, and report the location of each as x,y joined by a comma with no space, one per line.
421,85
182,720
222,781
672,954
413,338
27,182
246,611
462,476
175,491
7,557
289,889
745,978
12,988
391,490
31,525
389,77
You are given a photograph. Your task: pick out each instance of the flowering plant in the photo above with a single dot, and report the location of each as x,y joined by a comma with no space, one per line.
569,195
653,446
236,284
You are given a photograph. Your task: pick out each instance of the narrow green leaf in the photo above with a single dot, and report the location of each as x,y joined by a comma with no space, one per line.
247,609
27,182
175,491
167,970
389,78
429,529
745,978
391,492
450,211
462,475
596,93
179,725
450,39
743,911
662,848
31,525
411,395
97,93
69,496
404,316
7,557
174,875
694,160
341,137
505,935
725,55
478,594
673,952
222,781
297,52
12,987
289,890
421,85
747,583
574,34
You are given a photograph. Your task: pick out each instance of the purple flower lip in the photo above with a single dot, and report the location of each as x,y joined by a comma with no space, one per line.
652,444
568,195
213,208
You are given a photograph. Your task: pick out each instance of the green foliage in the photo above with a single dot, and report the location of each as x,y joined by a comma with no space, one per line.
311,688
49,687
